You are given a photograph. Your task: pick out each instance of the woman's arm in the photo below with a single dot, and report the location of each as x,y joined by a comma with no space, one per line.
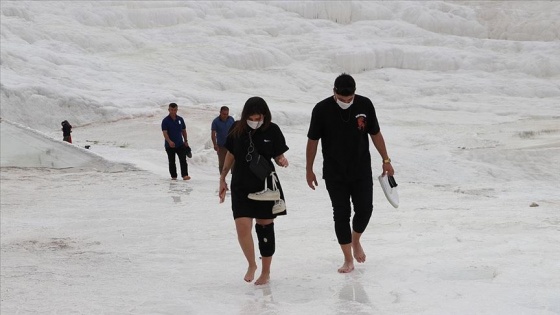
228,163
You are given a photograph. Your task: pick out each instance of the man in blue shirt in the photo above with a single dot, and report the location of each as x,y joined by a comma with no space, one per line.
220,129
175,134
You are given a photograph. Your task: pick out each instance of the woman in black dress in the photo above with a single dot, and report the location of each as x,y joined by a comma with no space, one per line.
255,125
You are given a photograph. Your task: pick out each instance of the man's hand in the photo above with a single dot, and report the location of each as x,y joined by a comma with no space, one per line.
310,152
311,179
388,169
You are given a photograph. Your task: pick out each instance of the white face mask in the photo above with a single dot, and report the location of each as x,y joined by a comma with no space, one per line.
255,124
342,104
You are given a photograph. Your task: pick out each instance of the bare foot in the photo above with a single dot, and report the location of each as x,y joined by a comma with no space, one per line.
250,275
358,252
263,279
347,267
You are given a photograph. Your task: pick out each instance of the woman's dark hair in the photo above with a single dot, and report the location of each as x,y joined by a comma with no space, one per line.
254,105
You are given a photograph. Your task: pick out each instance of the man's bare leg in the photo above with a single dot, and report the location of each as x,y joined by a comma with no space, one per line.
359,254
245,238
265,273
348,265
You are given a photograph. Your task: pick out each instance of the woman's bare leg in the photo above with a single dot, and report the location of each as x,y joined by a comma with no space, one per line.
348,265
265,272
359,254
266,261
244,228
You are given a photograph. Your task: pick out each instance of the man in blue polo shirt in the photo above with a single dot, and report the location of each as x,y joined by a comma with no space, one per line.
220,128
175,134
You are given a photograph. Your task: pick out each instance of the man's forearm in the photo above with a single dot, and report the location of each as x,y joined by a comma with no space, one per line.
166,136
213,137
310,153
379,144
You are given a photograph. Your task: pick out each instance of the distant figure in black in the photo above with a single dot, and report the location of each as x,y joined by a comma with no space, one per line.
66,130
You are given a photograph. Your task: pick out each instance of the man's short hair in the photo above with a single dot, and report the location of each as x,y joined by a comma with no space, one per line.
224,108
172,105
345,85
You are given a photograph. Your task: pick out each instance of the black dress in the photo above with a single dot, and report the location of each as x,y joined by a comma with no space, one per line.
269,143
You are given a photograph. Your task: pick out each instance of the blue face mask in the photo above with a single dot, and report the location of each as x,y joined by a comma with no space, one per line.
255,124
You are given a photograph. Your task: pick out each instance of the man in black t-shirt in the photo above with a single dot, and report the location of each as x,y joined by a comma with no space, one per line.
343,122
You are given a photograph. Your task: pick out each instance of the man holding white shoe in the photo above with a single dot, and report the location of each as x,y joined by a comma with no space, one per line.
343,122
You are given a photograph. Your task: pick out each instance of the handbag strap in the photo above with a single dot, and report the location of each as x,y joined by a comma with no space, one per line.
250,149
274,181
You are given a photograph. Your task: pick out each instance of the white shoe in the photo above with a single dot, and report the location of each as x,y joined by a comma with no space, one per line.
265,195
279,206
389,187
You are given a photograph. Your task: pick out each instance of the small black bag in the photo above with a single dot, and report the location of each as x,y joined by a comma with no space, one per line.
258,164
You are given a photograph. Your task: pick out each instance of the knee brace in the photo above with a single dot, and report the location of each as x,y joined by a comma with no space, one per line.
267,243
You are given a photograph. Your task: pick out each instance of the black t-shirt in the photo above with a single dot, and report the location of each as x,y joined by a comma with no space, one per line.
344,137
269,143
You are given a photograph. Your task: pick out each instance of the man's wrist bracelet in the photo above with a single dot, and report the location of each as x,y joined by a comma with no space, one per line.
387,161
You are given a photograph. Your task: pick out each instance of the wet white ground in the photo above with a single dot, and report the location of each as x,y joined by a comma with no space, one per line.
466,93
115,238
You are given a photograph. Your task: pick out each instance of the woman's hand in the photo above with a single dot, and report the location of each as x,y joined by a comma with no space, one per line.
223,189
281,160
